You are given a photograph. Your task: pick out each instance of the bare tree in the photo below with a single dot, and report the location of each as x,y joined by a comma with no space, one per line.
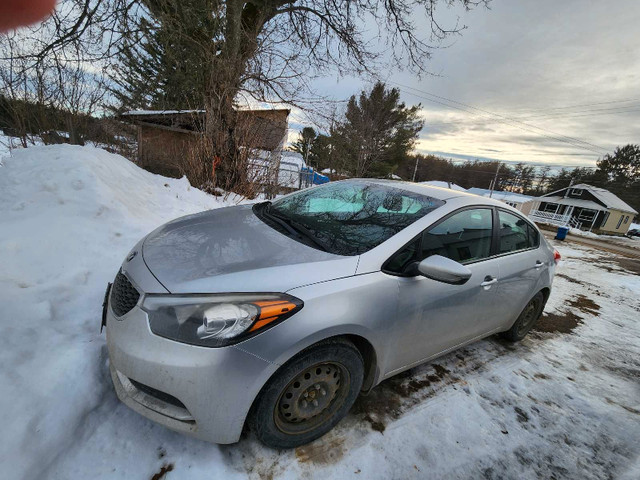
49,94
266,49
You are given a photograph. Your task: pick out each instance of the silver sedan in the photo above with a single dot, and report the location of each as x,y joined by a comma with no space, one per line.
280,314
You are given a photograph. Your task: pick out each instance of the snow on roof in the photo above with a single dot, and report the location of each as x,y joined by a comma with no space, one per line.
441,184
198,111
510,197
478,191
500,195
606,197
293,157
160,112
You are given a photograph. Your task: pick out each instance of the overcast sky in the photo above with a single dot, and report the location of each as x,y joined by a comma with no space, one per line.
528,60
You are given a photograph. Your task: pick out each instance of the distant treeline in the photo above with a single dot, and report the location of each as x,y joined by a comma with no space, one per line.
618,172
25,120
521,178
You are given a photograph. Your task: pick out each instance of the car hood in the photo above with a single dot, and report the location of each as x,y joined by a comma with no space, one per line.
232,250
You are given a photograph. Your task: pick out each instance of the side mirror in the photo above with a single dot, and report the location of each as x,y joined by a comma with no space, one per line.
443,269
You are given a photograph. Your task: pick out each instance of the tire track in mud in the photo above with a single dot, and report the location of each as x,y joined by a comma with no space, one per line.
397,395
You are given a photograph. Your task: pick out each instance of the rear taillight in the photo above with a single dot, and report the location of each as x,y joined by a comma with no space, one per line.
556,256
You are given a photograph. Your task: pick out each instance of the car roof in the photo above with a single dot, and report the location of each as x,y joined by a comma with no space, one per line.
439,193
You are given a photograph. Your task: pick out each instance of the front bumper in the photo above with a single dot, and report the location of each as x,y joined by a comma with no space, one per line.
203,392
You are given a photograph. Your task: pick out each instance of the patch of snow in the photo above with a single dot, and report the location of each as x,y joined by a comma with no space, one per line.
584,233
617,239
9,143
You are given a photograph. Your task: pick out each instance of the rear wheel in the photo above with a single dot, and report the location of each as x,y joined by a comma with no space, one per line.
526,320
309,395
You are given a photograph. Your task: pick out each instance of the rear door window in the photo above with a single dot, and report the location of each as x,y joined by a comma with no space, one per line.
515,233
464,237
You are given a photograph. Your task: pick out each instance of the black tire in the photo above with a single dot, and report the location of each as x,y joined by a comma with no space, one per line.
527,319
328,373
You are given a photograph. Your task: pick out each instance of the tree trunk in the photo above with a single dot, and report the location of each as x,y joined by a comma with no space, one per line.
222,135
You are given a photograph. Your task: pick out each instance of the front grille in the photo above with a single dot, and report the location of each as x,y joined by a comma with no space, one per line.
124,296
165,397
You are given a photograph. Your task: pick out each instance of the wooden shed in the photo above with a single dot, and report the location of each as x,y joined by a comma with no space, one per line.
166,137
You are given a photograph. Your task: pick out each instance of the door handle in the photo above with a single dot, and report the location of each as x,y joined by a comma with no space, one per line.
488,281
538,264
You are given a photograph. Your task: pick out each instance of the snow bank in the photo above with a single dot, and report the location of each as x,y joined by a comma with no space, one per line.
68,216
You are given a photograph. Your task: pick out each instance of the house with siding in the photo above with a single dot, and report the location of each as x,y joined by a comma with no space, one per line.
585,207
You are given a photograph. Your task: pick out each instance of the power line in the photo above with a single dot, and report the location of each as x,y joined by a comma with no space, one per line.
508,119
581,105
593,111
556,115
559,137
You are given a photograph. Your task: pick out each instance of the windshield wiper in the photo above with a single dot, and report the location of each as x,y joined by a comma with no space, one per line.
293,227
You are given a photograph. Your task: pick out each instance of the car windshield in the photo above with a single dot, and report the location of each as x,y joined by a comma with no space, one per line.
348,218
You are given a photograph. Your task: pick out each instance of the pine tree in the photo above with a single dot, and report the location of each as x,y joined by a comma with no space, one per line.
164,61
378,132
304,143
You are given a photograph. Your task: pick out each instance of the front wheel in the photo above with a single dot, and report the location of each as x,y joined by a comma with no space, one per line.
526,320
309,395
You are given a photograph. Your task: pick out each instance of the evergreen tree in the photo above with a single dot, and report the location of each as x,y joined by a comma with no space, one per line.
623,167
378,131
164,62
620,173
321,154
304,143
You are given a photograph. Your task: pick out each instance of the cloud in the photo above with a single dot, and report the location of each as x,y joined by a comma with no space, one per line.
553,69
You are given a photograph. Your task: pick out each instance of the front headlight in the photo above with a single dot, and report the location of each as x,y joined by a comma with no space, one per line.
216,320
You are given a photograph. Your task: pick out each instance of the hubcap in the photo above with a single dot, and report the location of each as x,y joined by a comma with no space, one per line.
529,316
311,397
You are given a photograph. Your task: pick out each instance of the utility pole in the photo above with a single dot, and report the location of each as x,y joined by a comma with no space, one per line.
415,169
306,152
495,179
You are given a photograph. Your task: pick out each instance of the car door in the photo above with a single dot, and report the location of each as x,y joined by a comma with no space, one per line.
435,316
521,263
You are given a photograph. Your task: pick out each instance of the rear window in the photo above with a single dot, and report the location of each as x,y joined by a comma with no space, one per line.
350,218
515,233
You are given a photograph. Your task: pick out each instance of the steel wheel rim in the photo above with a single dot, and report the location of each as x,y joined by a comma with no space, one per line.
529,316
312,397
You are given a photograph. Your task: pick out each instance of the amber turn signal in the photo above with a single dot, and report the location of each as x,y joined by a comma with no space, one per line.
271,310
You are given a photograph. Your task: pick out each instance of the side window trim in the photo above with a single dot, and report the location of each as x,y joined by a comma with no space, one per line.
496,233
494,219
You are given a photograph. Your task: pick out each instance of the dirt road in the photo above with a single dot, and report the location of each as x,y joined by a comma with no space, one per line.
606,245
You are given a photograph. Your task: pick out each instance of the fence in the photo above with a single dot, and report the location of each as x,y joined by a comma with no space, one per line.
554,219
290,176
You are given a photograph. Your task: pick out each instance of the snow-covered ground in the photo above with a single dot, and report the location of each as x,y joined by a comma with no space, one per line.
564,403
622,240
